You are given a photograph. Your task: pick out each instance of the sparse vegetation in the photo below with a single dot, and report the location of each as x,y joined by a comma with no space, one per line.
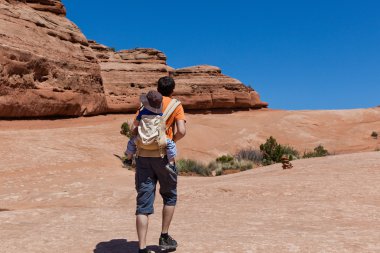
219,166
253,155
272,151
126,129
228,162
188,166
224,159
374,135
319,151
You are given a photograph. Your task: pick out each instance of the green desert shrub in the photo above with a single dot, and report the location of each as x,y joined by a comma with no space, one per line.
253,155
126,129
225,159
191,166
374,135
229,163
272,151
319,151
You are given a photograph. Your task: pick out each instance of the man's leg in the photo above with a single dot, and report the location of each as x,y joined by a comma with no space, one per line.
168,191
145,180
142,222
167,215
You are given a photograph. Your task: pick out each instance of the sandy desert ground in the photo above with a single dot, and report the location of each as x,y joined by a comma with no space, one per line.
62,190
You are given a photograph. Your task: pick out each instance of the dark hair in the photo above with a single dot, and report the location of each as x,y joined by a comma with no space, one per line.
166,86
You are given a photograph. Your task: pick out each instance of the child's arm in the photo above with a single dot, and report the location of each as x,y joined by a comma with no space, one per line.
135,127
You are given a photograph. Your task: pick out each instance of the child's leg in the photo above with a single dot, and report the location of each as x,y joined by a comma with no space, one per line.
171,151
131,148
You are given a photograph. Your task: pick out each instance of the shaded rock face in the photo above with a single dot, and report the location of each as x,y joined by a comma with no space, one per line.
46,65
54,6
128,73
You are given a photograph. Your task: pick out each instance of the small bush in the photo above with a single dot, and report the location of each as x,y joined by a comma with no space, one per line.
252,155
319,151
126,129
272,151
191,166
374,135
225,159
234,164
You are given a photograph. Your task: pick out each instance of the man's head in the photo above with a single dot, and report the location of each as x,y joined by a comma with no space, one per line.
166,86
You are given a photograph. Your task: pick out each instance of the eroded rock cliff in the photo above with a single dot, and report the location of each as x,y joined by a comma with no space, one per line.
205,87
128,73
46,65
49,68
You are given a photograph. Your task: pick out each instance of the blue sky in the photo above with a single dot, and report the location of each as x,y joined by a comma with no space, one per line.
296,54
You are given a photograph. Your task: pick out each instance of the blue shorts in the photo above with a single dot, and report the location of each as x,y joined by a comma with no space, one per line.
149,170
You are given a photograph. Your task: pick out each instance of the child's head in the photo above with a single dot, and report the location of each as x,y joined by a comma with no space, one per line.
152,101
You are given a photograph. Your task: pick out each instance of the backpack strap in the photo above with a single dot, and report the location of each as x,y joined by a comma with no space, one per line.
174,103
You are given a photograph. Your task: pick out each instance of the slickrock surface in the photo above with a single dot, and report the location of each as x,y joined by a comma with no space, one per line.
128,73
62,190
339,131
46,65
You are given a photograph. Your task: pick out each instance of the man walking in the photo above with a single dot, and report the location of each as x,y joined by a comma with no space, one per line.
150,168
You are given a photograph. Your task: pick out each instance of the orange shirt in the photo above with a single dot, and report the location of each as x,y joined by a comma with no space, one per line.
178,114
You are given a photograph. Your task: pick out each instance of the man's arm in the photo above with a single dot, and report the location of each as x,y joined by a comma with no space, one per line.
181,130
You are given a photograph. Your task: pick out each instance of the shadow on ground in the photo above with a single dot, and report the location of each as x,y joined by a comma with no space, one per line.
122,246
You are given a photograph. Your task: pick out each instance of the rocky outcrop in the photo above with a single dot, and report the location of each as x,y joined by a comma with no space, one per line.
54,6
48,68
205,87
46,65
128,73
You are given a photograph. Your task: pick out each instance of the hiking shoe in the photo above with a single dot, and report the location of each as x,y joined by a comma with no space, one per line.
145,251
167,243
171,168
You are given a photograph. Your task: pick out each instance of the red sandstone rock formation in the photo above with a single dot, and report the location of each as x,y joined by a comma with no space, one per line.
46,65
48,68
205,87
128,73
